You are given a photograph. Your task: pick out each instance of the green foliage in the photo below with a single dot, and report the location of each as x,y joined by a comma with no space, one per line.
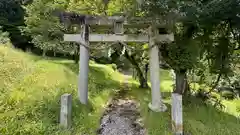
44,27
4,37
11,20
31,91
11,13
181,55
216,11
180,17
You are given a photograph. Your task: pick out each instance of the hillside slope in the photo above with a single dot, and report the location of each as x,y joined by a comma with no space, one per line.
31,87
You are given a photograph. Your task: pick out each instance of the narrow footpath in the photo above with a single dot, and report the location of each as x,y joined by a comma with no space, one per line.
122,116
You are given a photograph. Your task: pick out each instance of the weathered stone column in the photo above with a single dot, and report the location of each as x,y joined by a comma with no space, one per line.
156,104
84,66
177,118
66,110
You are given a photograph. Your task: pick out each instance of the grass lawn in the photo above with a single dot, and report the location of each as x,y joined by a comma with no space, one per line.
31,87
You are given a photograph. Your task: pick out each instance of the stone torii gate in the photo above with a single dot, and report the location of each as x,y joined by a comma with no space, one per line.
118,23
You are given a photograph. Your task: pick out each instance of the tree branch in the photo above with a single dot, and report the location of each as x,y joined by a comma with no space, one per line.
234,34
215,84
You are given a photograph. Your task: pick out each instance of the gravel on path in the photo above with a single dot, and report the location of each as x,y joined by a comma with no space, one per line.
122,116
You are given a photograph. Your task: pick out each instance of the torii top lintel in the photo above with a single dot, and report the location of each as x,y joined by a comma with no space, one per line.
108,21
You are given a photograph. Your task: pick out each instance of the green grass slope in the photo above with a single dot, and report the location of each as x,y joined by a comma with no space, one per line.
31,88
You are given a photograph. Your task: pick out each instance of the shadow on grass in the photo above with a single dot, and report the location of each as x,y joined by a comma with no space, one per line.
97,76
201,118
166,95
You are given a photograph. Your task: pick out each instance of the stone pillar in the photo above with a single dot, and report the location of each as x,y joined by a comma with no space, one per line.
84,66
66,110
177,118
156,104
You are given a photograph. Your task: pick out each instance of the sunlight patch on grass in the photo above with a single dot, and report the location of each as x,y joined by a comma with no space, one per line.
232,107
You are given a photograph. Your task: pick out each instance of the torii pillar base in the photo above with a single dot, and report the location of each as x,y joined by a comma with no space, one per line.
160,107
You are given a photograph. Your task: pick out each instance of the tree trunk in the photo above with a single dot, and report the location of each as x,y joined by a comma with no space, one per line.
134,74
215,84
146,71
44,53
76,58
76,55
142,80
187,87
54,54
28,49
182,86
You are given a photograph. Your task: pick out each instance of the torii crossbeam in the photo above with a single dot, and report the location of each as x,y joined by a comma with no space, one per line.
118,23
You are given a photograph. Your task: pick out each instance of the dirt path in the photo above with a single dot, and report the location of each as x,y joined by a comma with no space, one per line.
121,116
